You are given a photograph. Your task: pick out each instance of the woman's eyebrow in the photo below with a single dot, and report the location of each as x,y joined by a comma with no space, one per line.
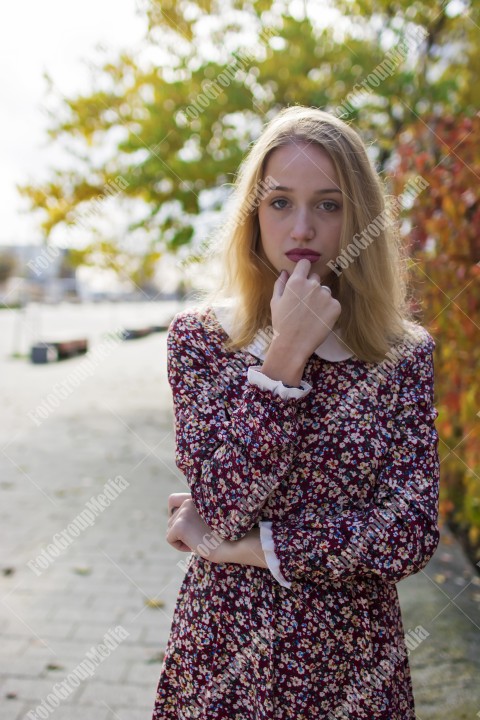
315,192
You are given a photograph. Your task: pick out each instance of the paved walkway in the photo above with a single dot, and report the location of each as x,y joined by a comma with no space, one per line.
84,608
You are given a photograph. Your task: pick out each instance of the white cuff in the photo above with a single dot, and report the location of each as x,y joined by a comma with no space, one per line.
256,377
266,538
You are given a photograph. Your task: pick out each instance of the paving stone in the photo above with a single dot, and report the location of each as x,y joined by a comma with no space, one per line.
13,709
144,674
49,631
28,689
79,614
95,632
69,712
131,696
23,666
14,647
123,713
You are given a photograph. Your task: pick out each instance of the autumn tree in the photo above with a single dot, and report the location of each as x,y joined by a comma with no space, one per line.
444,242
170,126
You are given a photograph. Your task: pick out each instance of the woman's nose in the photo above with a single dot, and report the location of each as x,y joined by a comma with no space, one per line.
303,228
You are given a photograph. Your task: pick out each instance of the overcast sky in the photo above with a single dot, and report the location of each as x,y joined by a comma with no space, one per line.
53,36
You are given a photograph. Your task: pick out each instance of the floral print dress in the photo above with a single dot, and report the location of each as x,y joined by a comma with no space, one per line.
341,476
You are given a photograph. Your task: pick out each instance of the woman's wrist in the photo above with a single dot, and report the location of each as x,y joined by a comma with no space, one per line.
280,364
246,551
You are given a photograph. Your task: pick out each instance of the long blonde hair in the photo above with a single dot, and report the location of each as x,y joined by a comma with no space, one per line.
372,289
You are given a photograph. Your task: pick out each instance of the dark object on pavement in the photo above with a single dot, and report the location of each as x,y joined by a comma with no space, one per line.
45,352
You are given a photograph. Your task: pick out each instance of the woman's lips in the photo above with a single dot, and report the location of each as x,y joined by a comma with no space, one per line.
295,255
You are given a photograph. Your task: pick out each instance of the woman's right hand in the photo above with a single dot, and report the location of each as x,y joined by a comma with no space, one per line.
303,313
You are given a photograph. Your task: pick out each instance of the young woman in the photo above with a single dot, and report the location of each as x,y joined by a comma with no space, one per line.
304,421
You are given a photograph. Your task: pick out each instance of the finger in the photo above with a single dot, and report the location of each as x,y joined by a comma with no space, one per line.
172,518
280,283
173,539
179,545
302,267
175,500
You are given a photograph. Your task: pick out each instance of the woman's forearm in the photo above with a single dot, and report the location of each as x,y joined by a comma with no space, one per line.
246,551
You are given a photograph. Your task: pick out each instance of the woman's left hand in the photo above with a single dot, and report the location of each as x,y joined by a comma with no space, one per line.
187,530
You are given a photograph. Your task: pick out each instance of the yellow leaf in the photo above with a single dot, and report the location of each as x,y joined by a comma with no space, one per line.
154,603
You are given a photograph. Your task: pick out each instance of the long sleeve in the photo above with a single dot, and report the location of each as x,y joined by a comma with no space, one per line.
233,455
396,534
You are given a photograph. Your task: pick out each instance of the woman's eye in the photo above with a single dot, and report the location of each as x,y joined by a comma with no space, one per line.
278,200
329,205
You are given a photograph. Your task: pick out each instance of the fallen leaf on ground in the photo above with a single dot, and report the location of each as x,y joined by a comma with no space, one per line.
82,570
158,658
153,603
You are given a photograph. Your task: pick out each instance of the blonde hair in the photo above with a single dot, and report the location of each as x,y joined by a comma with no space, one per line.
372,289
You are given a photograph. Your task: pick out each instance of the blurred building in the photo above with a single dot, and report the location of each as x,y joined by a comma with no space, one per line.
36,273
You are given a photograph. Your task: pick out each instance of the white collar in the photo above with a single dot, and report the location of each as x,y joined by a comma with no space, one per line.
331,349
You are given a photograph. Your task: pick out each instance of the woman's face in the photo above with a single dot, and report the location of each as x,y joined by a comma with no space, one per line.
304,210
